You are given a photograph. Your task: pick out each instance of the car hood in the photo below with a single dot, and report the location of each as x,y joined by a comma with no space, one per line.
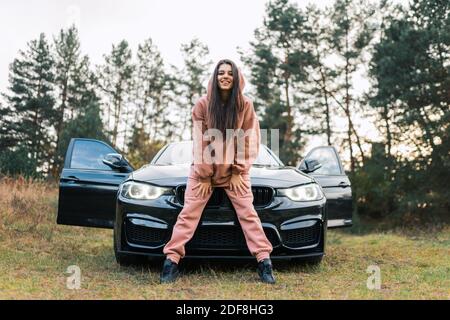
171,176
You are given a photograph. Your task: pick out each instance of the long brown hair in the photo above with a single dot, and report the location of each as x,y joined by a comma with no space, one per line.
223,114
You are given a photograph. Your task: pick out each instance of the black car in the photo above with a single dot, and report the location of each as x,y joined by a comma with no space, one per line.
99,188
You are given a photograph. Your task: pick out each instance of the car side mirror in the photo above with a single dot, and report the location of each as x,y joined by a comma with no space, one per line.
309,165
116,161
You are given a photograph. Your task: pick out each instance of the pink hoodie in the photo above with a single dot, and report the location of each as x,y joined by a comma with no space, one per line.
215,166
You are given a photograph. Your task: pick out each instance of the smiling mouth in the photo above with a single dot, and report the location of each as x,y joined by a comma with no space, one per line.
225,82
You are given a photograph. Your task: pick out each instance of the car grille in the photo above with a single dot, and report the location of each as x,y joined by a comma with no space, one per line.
225,237
222,237
217,237
145,236
206,237
302,237
217,198
262,196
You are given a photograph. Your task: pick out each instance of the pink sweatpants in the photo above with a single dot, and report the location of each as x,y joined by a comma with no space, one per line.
188,219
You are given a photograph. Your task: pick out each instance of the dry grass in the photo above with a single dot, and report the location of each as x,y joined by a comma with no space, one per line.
35,254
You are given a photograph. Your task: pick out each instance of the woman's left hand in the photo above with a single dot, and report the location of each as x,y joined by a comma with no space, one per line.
237,183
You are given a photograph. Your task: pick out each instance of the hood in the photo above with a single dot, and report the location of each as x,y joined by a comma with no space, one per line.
171,176
241,83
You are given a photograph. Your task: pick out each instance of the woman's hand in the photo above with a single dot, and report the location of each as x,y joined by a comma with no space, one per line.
203,189
238,184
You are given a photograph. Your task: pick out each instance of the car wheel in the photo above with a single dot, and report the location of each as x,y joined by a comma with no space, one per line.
125,259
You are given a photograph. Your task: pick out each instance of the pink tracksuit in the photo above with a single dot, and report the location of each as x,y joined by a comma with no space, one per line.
219,175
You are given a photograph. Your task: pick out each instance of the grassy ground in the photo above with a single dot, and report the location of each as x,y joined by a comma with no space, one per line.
35,254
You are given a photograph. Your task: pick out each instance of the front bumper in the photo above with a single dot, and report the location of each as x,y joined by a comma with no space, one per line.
295,229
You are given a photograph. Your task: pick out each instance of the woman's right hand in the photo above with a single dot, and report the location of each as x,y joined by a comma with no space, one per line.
238,184
203,189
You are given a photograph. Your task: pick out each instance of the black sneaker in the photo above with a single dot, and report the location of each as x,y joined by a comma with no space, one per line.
169,272
265,271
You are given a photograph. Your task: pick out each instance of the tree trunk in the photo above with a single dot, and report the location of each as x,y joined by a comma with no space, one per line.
385,115
288,133
59,127
125,133
117,110
327,106
189,123
347,102
37,126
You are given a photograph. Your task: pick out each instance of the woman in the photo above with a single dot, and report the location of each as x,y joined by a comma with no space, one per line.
224,162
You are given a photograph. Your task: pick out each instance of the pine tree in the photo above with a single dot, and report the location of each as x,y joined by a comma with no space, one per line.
75,85
193,78
116,82
141,149
411,70
319,105
164,127
86,124
8,138
350,33
31,100
87,120
278,62
410,75
150,83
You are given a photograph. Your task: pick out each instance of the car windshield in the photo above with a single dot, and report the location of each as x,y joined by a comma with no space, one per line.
179,153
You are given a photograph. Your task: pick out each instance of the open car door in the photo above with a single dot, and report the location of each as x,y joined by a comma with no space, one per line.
87,186
330,174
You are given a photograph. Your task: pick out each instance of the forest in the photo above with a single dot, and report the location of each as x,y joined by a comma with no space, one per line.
304,67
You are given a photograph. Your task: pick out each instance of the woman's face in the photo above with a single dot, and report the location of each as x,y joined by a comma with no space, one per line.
225,77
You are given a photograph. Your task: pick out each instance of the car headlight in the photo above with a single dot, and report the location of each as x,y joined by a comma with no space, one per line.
142,191
309,192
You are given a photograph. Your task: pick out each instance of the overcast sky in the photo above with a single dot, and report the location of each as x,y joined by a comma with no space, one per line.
222,24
